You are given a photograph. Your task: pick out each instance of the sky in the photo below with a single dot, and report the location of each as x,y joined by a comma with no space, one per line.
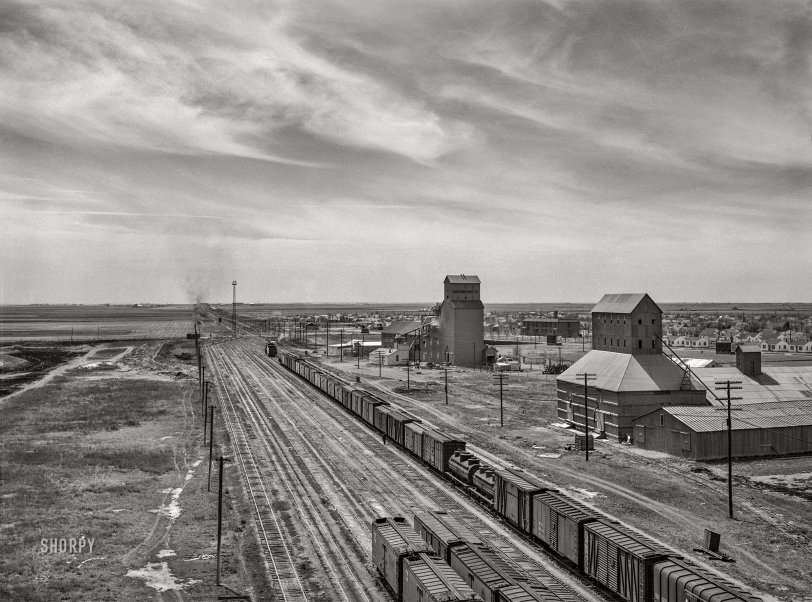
360,151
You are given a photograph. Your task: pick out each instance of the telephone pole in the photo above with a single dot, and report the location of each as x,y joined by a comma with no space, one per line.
234,308
587,376
502,377
221,459
728,385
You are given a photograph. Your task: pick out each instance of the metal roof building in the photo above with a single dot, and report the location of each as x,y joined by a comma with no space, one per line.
700,433
631,375
779,383
625,387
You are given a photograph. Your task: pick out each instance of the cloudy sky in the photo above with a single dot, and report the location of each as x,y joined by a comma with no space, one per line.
360,151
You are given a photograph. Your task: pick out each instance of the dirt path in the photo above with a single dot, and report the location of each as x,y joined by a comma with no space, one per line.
70,365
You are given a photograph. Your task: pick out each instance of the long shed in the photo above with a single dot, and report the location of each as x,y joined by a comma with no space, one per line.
700,433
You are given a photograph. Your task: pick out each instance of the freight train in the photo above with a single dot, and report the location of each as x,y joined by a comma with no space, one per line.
622,561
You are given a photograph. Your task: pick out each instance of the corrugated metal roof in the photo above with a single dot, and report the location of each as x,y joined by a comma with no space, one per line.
621,303
781,383
626,539
461,279
439,580
625,372
776,414
401,327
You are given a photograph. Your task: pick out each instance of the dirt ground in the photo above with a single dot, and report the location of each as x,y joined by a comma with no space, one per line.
110,451
670,499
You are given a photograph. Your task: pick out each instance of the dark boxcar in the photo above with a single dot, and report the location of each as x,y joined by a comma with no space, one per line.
380,417
346,396
358,401
429,579
392,541
396,424
677,580
513,493
413,438
527,592
438,449
621,559
370,402
484,569
559,521
442,531
463,465
483,481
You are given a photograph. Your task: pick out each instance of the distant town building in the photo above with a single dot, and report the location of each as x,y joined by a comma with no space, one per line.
542,327
456,334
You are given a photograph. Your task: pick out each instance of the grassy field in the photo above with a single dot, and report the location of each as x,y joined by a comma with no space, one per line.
115,457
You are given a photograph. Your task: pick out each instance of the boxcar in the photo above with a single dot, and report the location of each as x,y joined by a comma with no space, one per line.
438,449
621,560
370,402
380,417
513,493
429,579
558,521
677,580
442,531
358,401
392,541
463,465
485,570
396,424
346,396
413,438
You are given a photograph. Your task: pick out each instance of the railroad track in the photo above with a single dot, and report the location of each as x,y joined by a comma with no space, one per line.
361,478
273,540
284,466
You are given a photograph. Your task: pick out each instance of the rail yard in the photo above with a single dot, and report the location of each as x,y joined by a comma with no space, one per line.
307,478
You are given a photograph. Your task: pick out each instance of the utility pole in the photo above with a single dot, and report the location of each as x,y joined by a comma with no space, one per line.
587,376
728,385
202,388
221,459
501,376
341,348
234,308
407,373
327,340
380,364
211,444
445,368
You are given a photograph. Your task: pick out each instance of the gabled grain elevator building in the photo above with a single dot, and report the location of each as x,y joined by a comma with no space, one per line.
632,376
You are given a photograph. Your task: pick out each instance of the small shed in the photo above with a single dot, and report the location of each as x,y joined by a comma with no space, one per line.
748,359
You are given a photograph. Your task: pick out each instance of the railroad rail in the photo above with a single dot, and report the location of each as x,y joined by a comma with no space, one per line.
342,463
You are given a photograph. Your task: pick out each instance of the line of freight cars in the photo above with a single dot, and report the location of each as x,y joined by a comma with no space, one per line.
624,562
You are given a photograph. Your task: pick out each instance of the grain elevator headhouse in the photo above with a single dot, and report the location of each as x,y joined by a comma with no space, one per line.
456,333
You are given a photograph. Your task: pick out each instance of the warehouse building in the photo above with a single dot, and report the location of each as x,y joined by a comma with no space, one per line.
631,375
773,428
457,333
543,327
